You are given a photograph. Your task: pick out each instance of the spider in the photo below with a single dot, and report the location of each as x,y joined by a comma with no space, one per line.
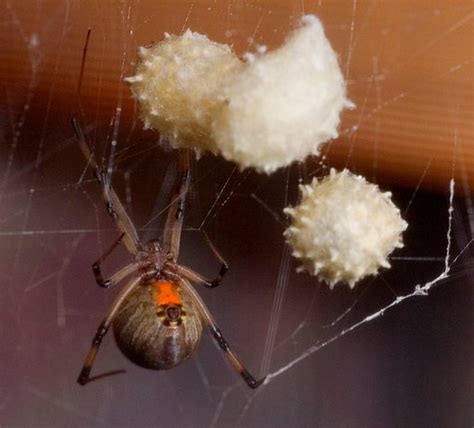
158,316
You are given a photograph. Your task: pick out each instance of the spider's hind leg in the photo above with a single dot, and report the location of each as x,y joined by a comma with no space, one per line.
84,376
216,333
238,366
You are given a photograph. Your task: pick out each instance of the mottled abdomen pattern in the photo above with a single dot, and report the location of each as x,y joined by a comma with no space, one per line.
143,331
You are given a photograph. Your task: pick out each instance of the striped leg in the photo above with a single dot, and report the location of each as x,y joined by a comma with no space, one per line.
174,221
217,335
103,328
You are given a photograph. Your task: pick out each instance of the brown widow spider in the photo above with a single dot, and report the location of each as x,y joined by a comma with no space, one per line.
157,317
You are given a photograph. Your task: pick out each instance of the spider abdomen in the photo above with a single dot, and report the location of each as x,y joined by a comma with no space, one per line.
157,326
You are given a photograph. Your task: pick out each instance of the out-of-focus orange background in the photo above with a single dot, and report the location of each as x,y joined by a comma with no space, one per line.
409,67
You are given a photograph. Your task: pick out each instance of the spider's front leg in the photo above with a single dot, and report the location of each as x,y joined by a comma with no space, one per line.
174,224
174,220
115,208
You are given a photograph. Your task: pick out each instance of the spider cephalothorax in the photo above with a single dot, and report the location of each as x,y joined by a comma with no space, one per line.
152,259
157,317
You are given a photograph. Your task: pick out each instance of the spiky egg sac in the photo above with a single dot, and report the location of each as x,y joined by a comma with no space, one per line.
266,112
177,85
344,228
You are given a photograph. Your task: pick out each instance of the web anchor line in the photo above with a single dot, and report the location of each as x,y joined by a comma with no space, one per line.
419,290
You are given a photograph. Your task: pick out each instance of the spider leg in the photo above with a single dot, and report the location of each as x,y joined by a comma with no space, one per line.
96,265
174,221
224,266
217,334
120,216
238,366
197,278
114,206
116,277
103,328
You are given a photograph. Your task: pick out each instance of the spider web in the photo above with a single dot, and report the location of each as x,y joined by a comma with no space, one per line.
394,351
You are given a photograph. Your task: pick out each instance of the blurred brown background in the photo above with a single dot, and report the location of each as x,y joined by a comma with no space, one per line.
409,67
